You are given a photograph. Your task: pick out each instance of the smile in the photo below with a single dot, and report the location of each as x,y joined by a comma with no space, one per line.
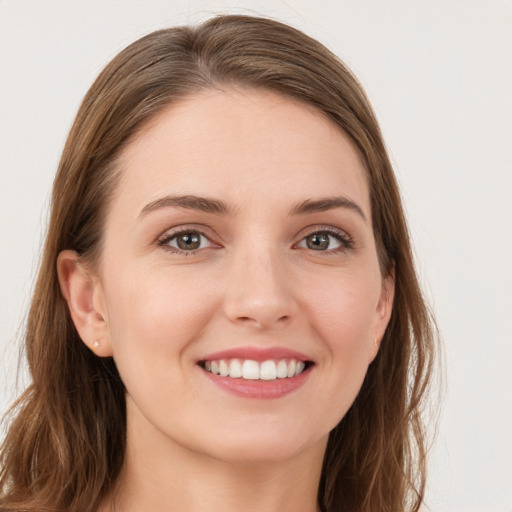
250,369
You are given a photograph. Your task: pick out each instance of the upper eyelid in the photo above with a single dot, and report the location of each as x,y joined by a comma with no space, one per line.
319,228
175,234
185,228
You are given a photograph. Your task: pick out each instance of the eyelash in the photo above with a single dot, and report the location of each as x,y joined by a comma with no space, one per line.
168,237
346,242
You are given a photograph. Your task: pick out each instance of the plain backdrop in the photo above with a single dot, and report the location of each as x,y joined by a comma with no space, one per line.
439,74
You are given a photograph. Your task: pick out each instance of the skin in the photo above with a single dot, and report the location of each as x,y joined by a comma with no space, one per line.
254,282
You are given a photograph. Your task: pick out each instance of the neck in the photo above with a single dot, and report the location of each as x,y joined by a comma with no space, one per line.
161,475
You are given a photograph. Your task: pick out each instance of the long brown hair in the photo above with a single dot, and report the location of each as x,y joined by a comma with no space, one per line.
66,443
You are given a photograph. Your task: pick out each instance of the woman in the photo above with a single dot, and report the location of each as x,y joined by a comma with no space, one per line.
227,312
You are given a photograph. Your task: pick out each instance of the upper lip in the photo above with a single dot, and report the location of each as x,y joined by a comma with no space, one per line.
257,354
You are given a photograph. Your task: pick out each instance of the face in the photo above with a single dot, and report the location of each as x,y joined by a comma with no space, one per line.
239,286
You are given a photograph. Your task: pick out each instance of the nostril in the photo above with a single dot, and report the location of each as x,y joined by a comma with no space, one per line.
263,322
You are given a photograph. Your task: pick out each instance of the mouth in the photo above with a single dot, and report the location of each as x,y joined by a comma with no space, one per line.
251,369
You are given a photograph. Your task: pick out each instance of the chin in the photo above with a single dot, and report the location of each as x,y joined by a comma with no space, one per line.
262,446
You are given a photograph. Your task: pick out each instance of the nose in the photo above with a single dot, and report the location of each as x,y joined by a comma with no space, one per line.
259,291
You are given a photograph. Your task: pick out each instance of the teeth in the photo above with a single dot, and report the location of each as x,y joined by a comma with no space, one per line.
268,370
282,370
223,368
253,370
250,370
291,368
299,368
235,368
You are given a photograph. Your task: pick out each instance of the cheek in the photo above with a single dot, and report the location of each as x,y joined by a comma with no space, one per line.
154,317
345,308
344,322
156,311
343,315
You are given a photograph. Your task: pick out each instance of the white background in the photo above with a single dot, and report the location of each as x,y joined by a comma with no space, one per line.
439,74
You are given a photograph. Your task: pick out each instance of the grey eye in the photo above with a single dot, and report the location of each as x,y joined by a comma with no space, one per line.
320,242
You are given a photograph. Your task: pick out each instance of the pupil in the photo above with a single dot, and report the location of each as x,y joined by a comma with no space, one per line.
318,242
189,241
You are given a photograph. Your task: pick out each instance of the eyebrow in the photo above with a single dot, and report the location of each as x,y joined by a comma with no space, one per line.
218,207
203,204
327,203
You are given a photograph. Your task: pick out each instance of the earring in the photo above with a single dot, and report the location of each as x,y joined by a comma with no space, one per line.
375,343
96,344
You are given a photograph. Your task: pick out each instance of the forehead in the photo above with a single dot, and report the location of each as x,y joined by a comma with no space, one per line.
242,145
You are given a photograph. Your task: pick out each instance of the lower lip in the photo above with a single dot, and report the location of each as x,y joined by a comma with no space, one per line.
259,389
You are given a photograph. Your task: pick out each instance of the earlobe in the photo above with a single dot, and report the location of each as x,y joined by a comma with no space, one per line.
374,350
83,295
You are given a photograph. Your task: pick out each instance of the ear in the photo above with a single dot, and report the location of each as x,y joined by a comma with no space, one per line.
84,294
383,312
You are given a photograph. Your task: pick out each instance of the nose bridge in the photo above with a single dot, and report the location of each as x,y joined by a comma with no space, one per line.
258,291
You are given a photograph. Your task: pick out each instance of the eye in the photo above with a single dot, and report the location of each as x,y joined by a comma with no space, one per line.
185,241
326,241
